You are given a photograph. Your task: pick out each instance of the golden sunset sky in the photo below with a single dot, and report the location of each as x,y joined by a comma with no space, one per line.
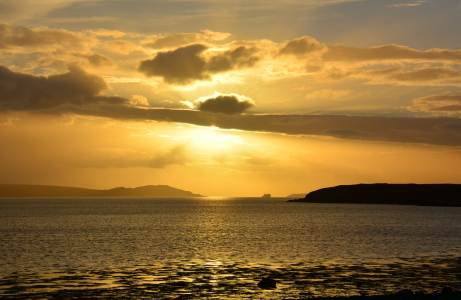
230,98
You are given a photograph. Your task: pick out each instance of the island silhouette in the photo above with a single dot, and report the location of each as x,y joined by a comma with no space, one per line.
385,193
25,190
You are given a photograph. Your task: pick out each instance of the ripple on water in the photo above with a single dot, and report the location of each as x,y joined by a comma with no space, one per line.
221,280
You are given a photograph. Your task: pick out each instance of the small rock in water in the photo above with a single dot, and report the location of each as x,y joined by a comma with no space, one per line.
267,283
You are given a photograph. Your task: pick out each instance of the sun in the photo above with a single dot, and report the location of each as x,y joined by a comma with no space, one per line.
213,138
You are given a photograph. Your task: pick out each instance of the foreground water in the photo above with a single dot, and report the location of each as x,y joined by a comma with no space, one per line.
221,247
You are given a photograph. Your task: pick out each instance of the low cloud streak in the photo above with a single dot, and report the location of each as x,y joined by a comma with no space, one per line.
438,103
366,128
388,52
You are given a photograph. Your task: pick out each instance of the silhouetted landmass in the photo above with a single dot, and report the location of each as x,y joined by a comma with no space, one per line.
23,190
383,193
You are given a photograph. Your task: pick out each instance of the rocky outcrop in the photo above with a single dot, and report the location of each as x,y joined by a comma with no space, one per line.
267,283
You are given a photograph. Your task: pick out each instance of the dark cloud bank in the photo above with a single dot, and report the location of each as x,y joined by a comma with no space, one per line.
78,92
438,131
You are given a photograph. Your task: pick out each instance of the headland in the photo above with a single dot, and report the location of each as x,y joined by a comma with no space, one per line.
384,193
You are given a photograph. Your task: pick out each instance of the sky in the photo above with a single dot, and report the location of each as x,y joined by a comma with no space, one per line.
230,98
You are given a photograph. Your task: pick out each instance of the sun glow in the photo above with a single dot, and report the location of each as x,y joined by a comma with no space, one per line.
210,137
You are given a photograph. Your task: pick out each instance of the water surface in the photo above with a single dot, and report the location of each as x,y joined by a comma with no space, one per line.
61,236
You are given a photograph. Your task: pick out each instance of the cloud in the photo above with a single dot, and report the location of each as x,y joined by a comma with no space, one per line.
385,72
447,108
186,64
328,94
139,100
82,93
339,73
20,91
96,60
423,76
404,4
54,47
427,74
454,126
441,98
21,39
228,104
188,104
180,66
175,40
437,103
120,47
62,61
388,52
339,62
238,58
346,133
302,46
107,33
365,128
216,36
172,40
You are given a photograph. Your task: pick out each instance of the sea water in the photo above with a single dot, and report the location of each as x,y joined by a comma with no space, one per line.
58,234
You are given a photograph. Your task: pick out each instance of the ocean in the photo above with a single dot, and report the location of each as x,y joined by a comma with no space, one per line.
219,248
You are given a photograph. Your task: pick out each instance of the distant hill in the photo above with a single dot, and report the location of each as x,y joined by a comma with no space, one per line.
295,196
24,190
382,193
